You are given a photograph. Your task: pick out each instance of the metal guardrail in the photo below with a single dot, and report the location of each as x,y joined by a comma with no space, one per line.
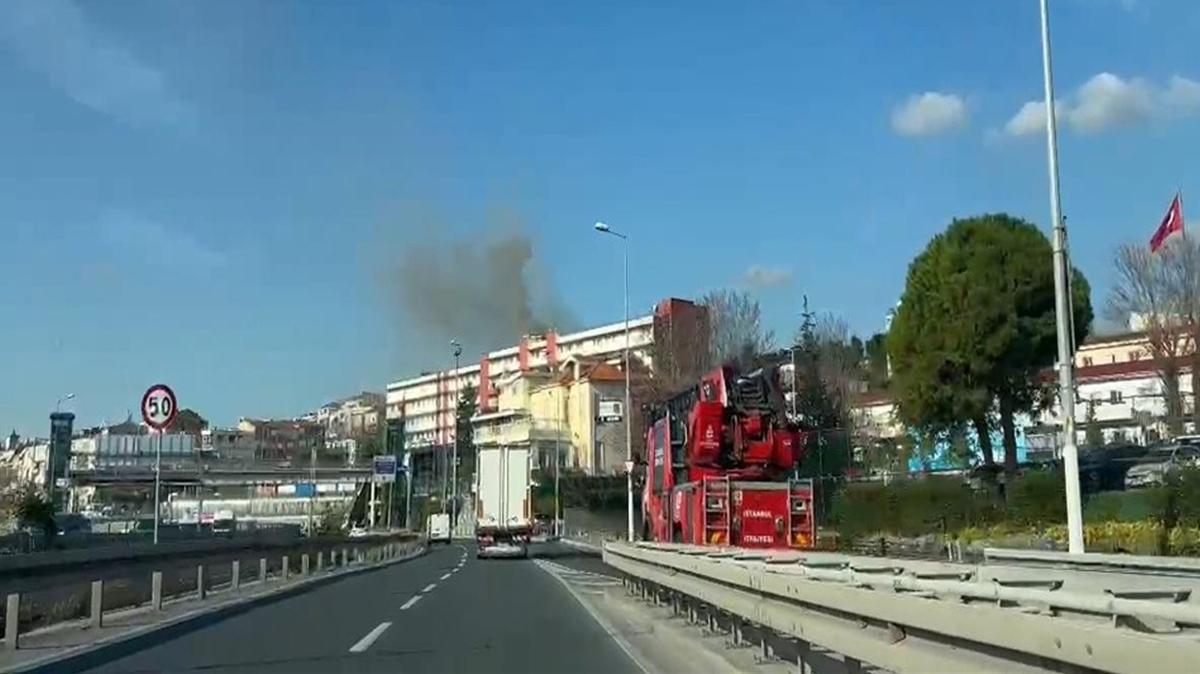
103,593
906,616
1159,566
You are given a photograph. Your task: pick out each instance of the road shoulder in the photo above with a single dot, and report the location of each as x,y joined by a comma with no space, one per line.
655,640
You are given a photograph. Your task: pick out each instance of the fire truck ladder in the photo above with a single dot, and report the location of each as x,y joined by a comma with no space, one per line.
717,509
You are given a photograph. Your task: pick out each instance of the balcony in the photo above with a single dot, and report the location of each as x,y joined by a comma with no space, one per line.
517,428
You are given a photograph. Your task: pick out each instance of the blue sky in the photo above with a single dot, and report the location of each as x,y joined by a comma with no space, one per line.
216,195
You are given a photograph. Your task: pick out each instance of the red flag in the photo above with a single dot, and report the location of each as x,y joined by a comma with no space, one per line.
1172,222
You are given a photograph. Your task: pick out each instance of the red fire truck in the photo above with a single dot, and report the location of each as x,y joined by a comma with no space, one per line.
719,460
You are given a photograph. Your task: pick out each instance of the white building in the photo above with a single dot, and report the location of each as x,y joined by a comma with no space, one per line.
228,444
353,417
24,464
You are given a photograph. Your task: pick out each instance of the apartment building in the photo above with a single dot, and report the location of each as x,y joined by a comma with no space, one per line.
354,417
284,440
427,402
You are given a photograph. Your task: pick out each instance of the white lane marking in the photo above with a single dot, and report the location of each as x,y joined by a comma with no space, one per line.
600,620
365,642
410,603
429,588
445,576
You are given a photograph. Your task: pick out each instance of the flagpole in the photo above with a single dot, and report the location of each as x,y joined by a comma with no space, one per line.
1062,306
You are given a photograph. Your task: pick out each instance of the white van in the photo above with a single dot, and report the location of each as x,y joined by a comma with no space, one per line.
438,529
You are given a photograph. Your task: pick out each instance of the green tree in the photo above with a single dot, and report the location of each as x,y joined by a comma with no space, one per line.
189,421
875,352
976,327
468,405
35,510
1093,437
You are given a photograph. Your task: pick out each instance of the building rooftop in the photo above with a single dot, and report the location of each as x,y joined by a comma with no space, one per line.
563,340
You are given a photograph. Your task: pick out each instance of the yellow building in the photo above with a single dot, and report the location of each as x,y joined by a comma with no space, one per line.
557,411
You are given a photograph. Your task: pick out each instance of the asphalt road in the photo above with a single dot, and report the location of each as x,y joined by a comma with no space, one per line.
443,612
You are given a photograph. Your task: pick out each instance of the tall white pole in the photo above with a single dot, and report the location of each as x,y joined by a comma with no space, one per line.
605,229
157,484
628,407
371,511
557,459
454,467
1062,306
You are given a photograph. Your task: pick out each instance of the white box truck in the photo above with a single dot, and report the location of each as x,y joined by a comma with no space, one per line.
438,530
503,523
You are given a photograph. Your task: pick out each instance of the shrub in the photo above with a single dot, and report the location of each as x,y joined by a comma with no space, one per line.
864,508
1038,497
1121,506
911,507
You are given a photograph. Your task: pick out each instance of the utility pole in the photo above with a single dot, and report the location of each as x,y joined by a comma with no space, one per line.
1062,305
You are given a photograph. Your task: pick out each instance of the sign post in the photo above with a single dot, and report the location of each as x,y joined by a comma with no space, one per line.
159,408
383,470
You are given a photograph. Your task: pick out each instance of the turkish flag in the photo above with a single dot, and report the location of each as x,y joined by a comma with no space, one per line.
1172,222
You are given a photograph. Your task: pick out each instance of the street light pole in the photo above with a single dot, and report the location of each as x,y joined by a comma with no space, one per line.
58,403
557,460
1062,305
454,468
603,228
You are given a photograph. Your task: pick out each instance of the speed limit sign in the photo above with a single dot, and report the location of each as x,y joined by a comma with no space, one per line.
159,407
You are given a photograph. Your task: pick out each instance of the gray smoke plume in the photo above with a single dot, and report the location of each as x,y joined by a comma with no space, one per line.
485,294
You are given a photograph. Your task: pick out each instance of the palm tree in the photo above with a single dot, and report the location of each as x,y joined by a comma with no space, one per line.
36,511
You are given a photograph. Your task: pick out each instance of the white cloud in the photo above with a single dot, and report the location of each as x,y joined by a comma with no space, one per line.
54,38
758,276
1031,118
1183,95
154,243
929,114
1108,101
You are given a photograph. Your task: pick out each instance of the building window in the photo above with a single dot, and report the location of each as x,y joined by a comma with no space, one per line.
1087,361
1115,397
1135,355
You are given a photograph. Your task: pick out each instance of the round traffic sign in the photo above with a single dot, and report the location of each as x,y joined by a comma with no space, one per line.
159,406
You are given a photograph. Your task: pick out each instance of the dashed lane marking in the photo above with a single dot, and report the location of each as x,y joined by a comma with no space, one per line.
445,576
429,588
365,642
410,603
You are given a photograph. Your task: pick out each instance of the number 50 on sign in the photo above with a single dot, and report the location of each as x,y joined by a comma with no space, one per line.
159,406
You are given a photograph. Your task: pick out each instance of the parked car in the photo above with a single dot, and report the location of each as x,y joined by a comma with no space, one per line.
358,531
1153,468
1104,468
